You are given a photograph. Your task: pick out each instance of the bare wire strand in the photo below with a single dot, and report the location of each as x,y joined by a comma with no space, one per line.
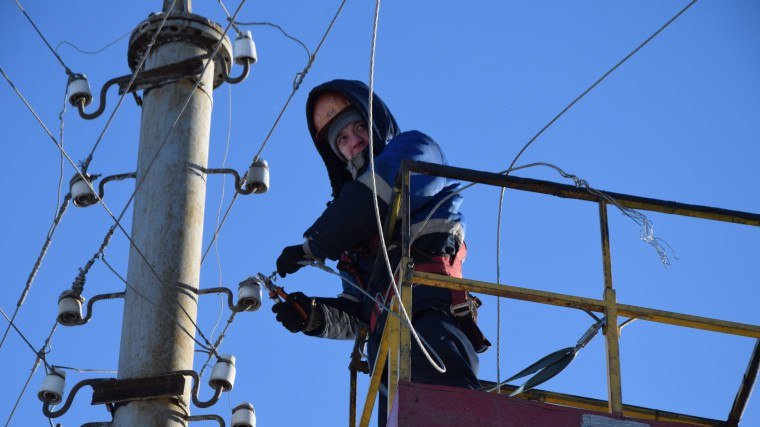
282,30
92,52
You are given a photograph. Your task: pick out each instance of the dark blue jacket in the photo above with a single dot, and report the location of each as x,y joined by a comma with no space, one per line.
347,228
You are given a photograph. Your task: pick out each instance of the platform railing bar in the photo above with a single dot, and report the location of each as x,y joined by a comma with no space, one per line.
572,192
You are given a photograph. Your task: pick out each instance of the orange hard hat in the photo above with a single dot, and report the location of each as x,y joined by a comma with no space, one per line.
326,108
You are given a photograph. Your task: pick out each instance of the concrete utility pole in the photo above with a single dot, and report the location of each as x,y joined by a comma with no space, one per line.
168,213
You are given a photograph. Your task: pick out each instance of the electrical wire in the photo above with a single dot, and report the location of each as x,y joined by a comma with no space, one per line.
93,52
383,248
138,68
296,85
229,18
282,30
158,307
221,203
18,331
578,98
116,220
58,57
40,357
61,209
525,147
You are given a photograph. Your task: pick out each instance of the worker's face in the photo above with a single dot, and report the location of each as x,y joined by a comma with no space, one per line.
352,139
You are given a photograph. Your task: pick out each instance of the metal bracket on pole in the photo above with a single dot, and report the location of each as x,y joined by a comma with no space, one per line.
131,389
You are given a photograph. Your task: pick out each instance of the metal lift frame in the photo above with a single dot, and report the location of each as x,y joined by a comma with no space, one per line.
395,345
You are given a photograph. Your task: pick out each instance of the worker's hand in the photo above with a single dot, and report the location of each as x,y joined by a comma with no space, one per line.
287,263
289,316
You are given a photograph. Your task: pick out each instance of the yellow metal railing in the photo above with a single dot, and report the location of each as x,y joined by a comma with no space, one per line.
395,344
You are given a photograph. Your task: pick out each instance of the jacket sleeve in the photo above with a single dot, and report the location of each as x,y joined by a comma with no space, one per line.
336,319
350,218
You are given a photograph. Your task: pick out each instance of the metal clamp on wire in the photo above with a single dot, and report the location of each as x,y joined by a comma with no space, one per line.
256,180
79,90
465,308
70,307
249,295
51,392
244,54
82,190
222,379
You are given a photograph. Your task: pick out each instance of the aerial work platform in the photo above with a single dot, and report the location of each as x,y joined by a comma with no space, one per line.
417,405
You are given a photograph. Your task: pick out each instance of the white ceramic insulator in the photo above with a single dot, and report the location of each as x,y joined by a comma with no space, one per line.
69,310
81,193
78,89
223,374
245,49
249,294
258,177
51,391
244,416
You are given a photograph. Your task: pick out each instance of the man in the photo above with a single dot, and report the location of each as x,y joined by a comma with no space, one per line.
337,115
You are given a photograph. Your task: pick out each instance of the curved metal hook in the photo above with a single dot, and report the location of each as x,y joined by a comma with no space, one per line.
241,77
90,305
207,417
194,392
223,290
227,171
55,414
117,177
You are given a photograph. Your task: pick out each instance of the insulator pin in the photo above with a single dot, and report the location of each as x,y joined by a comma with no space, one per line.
245,49
51,391
257,179
249,294
243,415
78,91
223,374
70,308
81,191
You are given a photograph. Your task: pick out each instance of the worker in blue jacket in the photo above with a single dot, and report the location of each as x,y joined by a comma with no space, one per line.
337,116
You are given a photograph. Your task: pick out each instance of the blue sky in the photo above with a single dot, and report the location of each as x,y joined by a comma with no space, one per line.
679,121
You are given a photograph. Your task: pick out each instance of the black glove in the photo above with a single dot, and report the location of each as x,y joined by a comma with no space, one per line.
288,314
287,262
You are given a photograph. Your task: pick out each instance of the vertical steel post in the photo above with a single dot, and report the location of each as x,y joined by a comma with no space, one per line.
407,267
611,332
168,229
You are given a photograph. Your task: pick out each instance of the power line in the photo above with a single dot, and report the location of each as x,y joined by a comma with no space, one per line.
58,57
296,85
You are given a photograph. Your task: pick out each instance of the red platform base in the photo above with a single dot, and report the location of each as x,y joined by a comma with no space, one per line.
423,405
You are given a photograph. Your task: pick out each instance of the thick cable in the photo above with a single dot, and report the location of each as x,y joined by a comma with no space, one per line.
296,85
93,52
58,57
218,341
138,68
383,248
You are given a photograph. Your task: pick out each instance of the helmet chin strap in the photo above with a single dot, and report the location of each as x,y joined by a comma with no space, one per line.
355,164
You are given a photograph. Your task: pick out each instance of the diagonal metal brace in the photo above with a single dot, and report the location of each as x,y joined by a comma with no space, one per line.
146,80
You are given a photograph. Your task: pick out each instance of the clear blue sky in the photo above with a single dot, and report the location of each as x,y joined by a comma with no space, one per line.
679,121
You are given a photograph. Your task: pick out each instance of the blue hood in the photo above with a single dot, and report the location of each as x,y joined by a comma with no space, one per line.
357,93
